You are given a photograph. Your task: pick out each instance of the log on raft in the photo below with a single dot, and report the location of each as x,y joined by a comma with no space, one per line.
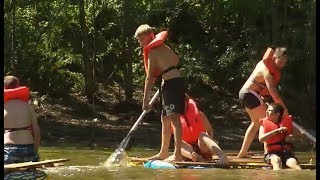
32,165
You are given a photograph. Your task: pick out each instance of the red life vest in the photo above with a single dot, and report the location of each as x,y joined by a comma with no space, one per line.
21,93
157,41
191,123
268,61
277,142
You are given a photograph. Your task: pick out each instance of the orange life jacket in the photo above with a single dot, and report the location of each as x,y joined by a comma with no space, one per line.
277,142
191,123
268,61
157,41
21,93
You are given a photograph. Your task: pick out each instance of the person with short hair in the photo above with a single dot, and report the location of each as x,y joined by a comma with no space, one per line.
274,132
21,130
160,61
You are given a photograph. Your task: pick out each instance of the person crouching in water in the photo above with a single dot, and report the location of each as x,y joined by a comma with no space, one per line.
274,133
197,135
21,130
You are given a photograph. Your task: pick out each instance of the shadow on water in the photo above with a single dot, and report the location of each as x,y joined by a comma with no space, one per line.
87,164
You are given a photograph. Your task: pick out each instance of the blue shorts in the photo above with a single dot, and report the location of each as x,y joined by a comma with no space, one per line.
17,153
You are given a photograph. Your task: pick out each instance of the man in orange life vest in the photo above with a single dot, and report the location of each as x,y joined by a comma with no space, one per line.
21,130
161,61
197,135
260,87
274,133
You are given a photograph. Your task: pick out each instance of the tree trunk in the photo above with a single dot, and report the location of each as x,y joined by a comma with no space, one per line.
128,49
275,22
87,63
13,38
284,33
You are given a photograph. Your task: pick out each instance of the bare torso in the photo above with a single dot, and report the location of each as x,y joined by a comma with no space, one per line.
164,58
17,114
256,75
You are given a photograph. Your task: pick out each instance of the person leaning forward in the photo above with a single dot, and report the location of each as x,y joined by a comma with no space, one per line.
21,130
260,87
160,61
197,135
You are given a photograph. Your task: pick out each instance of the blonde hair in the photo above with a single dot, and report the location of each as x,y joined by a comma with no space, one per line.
143,29
280,51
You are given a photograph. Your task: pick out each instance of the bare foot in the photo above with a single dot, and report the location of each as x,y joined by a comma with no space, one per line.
223,161
246,155
173,158
196,157
158,156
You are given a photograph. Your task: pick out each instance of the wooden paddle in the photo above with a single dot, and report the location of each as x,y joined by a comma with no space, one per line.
117,155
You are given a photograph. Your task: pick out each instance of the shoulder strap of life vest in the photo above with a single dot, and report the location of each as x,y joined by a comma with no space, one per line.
158,40
268,61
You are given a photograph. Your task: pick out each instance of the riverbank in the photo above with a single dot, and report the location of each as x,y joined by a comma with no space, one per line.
104,123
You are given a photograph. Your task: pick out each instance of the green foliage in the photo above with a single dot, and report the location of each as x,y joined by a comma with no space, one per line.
218,42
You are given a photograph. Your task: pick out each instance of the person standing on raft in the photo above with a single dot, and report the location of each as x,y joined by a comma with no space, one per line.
160,61
197,135
21,130
260,87
274,132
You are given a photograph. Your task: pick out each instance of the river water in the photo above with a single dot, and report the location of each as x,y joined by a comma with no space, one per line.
86,164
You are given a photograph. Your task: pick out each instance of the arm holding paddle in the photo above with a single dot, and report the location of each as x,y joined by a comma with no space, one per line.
148,84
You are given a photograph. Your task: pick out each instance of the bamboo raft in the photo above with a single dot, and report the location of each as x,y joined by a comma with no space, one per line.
255,162
33,165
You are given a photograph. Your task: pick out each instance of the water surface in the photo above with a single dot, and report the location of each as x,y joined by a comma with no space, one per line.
86,164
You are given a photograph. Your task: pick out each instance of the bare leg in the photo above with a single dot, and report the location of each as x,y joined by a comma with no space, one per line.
177,132
207,144
165,140
255,114
188,152
276,162
292,163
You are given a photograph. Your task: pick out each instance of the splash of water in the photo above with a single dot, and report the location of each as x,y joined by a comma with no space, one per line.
117,159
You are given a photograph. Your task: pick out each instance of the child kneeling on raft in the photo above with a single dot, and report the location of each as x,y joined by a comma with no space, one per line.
274,133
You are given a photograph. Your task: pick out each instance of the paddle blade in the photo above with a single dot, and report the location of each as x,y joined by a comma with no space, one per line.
117,158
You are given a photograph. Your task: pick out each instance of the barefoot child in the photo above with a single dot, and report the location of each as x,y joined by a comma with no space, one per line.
259,88
160,61
197,135
274,132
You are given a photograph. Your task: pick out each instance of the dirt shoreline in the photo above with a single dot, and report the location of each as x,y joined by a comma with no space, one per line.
75,122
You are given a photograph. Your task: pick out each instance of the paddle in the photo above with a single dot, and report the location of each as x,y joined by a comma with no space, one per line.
119,153
303,131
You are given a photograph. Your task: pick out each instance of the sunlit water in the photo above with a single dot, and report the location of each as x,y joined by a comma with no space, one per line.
87,164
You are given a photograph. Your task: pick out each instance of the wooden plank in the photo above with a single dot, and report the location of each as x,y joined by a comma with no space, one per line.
28,165
231,159
234,163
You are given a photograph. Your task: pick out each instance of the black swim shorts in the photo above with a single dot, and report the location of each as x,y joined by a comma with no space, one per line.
173,96
284,156
250,99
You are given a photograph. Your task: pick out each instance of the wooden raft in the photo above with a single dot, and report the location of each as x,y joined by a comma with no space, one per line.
33,165
234,163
